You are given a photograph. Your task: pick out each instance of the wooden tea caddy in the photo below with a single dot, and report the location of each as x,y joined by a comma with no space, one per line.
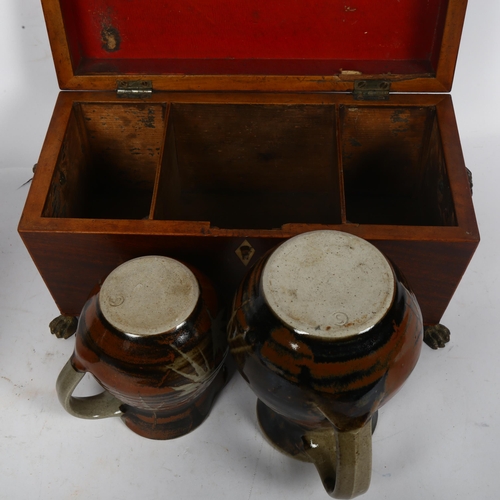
212,131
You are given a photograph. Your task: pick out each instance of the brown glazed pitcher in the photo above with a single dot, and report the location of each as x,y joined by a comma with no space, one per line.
325,330
150,336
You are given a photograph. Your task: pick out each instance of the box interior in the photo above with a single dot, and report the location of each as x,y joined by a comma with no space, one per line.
393,167
253,166
258,37
250,166
108,161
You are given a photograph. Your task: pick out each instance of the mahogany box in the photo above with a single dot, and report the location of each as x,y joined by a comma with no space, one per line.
212,131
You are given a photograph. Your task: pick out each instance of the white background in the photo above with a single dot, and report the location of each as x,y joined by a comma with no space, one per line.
437,439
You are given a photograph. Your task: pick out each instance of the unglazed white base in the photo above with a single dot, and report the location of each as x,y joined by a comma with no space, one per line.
149,295
329,284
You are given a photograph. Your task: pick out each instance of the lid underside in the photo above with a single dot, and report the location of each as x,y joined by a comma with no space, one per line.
349,38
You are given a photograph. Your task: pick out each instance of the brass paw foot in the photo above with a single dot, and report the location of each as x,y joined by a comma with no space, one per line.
63,326
436,336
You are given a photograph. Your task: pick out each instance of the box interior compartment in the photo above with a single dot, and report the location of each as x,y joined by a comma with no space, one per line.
250,166
258,37
108,161
393,167
253,166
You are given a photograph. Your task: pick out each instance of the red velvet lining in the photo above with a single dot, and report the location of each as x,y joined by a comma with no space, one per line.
254,37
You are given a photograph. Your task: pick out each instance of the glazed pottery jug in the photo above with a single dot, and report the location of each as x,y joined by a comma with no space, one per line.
150,335
325,330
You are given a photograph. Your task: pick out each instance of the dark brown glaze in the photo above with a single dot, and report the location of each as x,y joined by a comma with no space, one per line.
313,381
167,382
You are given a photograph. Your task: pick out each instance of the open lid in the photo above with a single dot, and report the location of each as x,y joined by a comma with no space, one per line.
265,45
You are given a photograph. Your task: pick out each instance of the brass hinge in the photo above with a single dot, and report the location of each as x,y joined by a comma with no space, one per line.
136,89
372,90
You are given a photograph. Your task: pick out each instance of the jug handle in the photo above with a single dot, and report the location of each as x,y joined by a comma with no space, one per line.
101,405
342,459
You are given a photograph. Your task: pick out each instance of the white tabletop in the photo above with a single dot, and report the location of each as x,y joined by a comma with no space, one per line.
437,439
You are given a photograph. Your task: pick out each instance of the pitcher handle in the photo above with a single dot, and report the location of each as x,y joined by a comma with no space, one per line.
342,459
102,405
